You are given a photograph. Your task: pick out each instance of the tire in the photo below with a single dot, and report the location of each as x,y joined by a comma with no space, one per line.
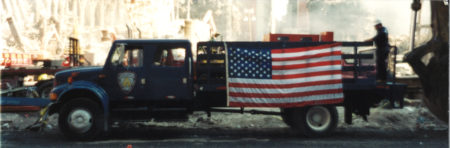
314,121
44,89
89,114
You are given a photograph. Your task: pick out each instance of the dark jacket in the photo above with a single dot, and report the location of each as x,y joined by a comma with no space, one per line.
381,39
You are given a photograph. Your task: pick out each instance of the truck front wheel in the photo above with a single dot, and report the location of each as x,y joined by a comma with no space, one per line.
314,121
81,119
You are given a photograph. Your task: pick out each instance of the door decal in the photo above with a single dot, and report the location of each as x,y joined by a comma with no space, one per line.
126,81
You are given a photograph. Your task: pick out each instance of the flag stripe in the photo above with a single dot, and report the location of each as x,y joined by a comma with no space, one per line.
304,57
304,61
302,75
287,81
249,85
307,70
303,53
289,100
284,95
290,104
285,90
290,50
306,65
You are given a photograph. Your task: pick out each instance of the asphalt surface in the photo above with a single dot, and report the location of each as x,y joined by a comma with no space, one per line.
251,137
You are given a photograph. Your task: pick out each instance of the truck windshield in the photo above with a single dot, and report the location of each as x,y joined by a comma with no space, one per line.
117,56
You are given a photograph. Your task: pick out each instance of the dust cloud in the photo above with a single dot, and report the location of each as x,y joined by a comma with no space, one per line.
43,27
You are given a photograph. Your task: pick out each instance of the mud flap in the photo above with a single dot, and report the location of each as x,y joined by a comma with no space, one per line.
360,102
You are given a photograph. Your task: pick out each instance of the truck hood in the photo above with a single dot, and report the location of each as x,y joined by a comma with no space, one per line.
80,69
82,73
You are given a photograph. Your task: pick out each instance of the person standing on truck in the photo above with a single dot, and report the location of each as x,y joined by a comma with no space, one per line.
382,44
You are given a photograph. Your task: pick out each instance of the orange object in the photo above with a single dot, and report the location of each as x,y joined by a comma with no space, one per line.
53,96
101,76
323,37
15,59
129,146
2,59
292,37
326,37
66,62
7,59
70,80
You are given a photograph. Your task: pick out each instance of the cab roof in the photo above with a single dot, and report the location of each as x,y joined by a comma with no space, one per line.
153,41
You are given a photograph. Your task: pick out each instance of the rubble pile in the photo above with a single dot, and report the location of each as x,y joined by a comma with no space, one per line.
42,28
412,118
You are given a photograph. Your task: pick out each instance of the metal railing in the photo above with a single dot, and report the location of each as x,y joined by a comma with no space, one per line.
357,67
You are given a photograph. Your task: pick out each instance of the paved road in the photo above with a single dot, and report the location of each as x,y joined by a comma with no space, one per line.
408,127
220,137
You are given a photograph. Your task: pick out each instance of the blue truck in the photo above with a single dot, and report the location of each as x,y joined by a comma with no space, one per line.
166,79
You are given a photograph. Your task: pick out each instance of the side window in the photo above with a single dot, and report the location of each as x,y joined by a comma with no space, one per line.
133,58
169,56
128,56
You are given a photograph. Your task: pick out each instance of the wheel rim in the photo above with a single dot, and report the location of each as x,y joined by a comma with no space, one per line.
80,120
318,118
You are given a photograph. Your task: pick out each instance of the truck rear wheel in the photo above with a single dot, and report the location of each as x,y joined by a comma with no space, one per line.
314,121
81,119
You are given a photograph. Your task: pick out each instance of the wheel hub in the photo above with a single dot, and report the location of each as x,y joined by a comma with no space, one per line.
80,120
318,118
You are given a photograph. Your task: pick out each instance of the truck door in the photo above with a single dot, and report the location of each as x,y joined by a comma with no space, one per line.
124,78
170,72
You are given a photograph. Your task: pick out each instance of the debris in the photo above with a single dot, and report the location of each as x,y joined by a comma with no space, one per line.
411,118
42,122
411,102
5,125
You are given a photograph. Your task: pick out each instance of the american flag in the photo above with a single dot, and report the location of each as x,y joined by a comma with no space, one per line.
290,77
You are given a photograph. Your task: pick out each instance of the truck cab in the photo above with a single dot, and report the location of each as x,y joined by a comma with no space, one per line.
149,72
137,74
